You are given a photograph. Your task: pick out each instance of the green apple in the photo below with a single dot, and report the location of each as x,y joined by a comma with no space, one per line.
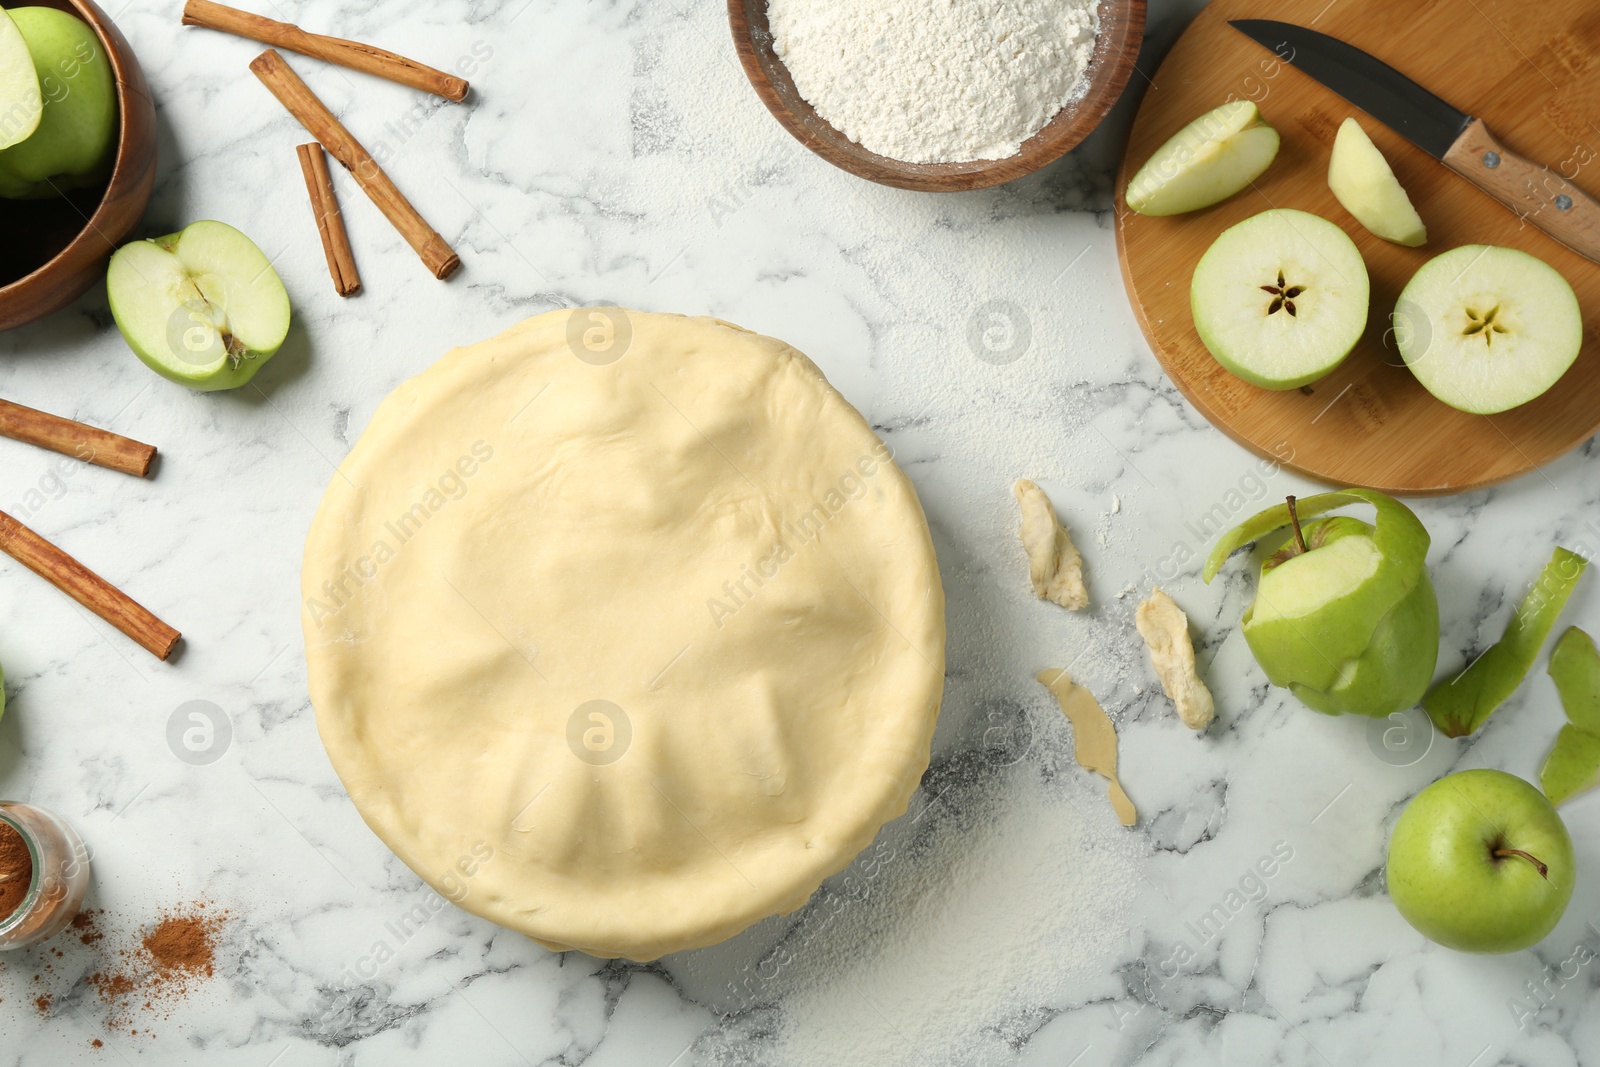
1362,181
1480,862
20,99
1460,705
1206,162
1485,328
202,307
1281,298
1573,765
72,146
1345,615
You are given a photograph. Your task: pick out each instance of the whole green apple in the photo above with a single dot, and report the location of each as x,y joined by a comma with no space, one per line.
72,145
1345,615
20,99
1480,862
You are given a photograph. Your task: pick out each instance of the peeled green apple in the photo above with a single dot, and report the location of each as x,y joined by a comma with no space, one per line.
1573,765
72,145
202,307
1486,328
1345,616
1362,180
1281,298
1480,862
20,100
1206,162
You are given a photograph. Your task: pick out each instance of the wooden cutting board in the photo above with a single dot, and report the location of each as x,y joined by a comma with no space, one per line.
1532,73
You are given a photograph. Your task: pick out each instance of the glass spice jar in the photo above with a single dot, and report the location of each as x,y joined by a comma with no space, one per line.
56,871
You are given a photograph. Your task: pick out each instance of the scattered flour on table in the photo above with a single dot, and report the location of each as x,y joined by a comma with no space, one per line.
934,81
1010,904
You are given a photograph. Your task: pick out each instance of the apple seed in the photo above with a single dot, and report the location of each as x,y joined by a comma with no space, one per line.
1282,295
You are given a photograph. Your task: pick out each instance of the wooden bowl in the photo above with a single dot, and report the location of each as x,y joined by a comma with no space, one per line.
54,250
1115,49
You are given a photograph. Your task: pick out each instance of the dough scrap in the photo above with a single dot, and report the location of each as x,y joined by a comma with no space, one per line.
625,652
1054,566
1094,738
1165,629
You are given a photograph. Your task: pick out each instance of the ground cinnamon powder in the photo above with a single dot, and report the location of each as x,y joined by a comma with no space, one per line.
182,943
16,870
173,958
138,980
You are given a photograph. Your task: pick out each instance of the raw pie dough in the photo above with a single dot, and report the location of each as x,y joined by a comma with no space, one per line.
1054,566
1165,629
623,651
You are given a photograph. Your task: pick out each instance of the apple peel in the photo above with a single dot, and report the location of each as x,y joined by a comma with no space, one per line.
1573,766
1462,704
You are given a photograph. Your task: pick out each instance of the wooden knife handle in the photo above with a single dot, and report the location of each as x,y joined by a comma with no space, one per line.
1538,194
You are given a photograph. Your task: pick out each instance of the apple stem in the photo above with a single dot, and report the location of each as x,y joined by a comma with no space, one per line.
1544,871
1294,520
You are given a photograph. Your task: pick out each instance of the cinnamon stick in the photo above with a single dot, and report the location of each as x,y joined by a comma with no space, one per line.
351,54
314,115
88,443
330,222
86,587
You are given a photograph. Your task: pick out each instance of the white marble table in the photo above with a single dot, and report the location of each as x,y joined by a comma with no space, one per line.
612,152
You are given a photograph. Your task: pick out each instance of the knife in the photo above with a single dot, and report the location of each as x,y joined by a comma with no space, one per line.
1464,144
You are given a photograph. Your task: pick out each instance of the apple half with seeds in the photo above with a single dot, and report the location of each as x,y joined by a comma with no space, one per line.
1486,328
1281,298
202,307
1363,181
1206,162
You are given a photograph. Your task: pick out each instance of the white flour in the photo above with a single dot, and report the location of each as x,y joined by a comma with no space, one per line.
936,81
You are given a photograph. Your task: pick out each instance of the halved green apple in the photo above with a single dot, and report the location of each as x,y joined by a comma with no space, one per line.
1206,162
1281,298
202,307
1363,181
1485,328
21,103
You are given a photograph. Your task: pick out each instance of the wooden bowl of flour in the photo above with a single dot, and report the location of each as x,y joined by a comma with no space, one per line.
1115,50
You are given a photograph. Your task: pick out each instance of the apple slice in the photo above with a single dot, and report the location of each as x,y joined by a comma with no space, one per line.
1206,162
1281,298
21,103
1486,328
202,307
1364,183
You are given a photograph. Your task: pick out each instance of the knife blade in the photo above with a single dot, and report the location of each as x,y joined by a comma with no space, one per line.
1538,195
